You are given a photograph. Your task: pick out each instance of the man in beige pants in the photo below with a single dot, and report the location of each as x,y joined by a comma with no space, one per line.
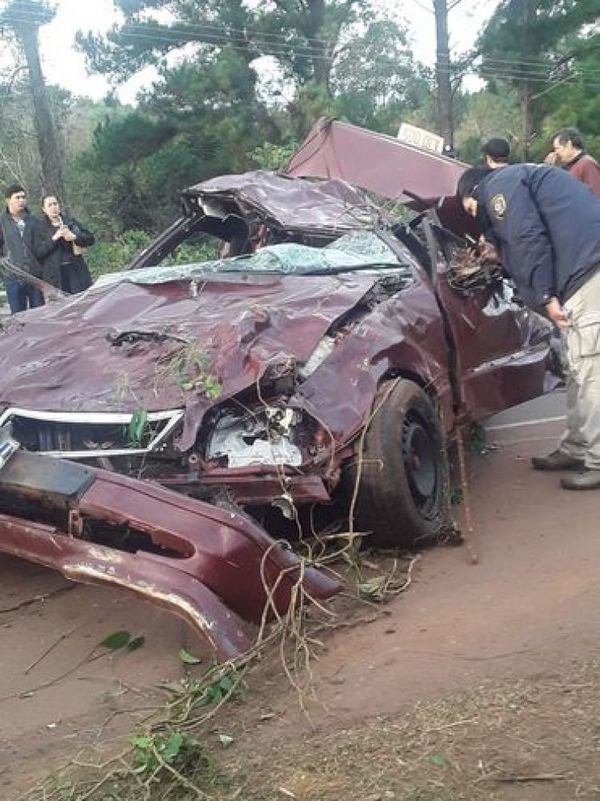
581,441
546,225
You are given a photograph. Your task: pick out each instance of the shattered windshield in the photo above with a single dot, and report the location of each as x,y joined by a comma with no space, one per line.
356,251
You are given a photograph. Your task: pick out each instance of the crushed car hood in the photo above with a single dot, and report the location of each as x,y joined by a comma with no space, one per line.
119,347
286,203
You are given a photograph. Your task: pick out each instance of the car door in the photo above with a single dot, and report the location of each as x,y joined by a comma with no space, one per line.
501,348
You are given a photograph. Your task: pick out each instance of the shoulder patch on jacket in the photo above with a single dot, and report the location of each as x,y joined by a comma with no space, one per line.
498,204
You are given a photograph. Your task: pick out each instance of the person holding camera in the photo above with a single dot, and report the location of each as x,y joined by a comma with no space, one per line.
59,244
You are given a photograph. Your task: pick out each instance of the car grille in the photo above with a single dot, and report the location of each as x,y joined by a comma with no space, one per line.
79,435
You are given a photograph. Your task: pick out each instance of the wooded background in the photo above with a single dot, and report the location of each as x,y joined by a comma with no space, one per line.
240,83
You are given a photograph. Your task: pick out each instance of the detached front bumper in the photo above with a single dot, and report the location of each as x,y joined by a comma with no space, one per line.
213,567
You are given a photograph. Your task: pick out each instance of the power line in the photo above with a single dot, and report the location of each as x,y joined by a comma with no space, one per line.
174,35
512,67
281,41
241,35
424,7
482,72
25,16
189,29
506,72
503,75
546,64
35,18
176,38
489,75
510,71
283,48
522,62
518,72
197,28
554,86
584,70
200,35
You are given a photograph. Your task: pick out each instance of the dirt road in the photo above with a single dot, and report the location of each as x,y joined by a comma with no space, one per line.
527,609
532,601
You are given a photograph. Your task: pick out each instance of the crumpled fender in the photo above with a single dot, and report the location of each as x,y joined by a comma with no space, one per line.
211,566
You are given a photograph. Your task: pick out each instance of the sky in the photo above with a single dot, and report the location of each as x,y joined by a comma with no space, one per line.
64,65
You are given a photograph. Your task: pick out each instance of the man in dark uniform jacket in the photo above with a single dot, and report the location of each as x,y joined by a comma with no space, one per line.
547,229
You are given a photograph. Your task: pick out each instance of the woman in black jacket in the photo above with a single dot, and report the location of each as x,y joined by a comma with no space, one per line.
58,244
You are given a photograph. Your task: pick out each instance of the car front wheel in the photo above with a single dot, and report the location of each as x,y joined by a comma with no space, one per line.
401,470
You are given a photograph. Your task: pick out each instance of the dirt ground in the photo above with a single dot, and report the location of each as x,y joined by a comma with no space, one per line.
478,682
535,740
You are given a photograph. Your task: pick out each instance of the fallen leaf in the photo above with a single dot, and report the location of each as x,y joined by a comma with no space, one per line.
133,645
172,747
144,742
188,659
373,589
116,640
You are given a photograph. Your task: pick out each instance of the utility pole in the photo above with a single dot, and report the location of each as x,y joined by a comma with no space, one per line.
442,72
25,17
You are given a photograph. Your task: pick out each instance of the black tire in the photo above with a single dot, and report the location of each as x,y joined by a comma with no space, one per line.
403,473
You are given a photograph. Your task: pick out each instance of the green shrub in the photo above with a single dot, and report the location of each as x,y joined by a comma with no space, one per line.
113,256
110,257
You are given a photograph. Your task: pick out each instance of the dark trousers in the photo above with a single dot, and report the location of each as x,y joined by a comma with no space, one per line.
22,296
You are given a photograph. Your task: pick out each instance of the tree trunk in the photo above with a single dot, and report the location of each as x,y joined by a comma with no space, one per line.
52,178
527,24
526,120
442,72
314,14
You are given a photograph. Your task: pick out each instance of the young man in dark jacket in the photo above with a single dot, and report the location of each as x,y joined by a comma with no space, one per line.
496,153
17,229
547,229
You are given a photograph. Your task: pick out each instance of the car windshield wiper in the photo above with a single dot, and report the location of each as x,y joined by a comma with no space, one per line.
315,271
355,268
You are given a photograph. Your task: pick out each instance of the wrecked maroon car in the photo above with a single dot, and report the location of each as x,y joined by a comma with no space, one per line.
172,420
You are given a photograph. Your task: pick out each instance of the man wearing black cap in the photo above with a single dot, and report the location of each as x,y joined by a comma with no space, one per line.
16,240
547,228
495,153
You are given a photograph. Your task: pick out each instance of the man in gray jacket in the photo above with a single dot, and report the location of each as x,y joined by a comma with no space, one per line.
17,227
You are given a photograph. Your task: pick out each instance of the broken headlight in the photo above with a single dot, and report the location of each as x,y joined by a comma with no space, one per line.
267,435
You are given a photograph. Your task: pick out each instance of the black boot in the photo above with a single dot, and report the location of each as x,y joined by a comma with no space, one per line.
586,480
557,460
